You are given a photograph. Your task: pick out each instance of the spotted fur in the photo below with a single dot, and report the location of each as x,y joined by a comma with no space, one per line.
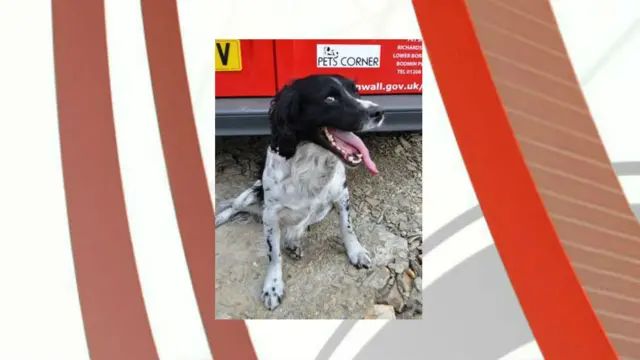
303,180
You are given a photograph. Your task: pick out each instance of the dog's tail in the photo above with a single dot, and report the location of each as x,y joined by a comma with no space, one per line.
249,202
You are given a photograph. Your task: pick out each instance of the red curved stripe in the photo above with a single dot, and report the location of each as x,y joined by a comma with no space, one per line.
559,313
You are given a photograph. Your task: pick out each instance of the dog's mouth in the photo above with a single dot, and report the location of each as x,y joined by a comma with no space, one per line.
350,147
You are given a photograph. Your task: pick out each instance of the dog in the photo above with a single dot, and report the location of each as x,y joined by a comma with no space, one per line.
312,120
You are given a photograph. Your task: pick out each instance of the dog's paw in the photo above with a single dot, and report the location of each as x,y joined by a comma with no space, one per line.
294,252
272,293
360,258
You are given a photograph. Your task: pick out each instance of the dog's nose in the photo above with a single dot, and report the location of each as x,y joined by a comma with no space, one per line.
375,112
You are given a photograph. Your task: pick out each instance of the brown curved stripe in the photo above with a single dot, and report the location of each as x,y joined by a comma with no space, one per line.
194,210
113,310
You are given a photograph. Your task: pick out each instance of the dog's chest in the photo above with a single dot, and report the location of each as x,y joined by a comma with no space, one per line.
305,186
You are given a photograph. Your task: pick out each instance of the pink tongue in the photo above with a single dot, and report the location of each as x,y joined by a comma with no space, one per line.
353,140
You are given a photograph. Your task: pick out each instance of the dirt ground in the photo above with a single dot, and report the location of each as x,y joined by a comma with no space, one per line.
387,216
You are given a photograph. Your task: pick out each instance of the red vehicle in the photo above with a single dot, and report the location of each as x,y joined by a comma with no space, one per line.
250,72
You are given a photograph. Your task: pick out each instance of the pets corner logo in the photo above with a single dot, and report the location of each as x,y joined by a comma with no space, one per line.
330,52
347,56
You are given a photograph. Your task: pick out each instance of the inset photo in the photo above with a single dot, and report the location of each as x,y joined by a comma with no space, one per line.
318,185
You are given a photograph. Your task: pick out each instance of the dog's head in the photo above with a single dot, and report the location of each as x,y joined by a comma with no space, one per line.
326,110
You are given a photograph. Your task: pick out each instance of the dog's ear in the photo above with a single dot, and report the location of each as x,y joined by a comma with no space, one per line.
283,112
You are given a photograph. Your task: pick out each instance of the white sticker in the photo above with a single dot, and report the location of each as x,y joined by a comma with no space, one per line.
348,56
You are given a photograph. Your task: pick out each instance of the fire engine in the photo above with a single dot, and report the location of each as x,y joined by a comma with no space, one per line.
250,72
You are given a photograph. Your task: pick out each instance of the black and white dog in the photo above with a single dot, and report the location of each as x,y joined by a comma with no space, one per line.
313,121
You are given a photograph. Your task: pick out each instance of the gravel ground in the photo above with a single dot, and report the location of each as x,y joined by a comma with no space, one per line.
386,211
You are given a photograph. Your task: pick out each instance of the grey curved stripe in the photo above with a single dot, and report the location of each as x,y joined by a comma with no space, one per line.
336,338
626,168
636,210
449,229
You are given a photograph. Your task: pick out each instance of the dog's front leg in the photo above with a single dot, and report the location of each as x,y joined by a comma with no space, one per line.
358,255
273,289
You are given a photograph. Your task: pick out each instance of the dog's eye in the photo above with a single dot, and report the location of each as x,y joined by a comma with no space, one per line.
330,99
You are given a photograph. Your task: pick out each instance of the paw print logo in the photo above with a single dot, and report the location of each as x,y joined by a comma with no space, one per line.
328,51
